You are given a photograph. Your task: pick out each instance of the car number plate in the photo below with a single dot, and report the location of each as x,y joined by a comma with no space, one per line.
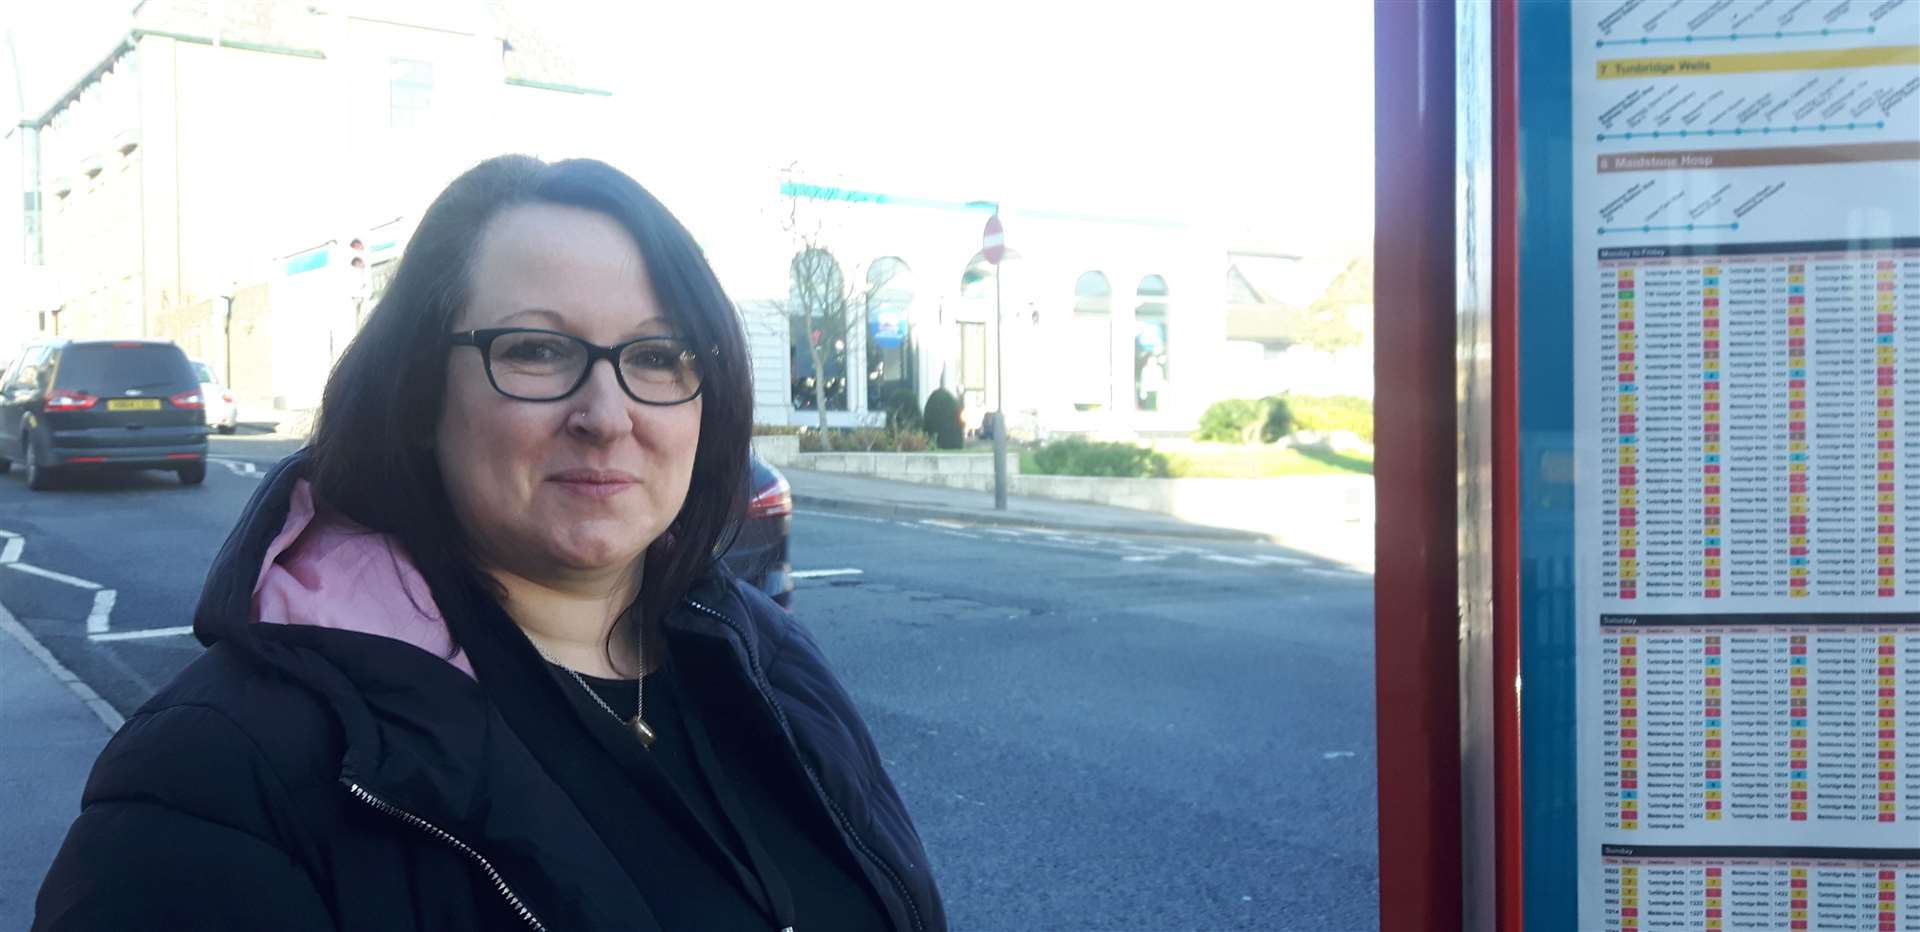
134,404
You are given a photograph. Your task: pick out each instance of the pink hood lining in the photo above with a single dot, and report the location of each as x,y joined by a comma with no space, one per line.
327,572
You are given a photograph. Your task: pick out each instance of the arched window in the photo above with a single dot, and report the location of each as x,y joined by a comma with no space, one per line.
818,309
1150,343
1091,345
892,378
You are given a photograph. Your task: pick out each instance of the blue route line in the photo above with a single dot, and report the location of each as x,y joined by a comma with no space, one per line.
1658,228
1737,36
1740,131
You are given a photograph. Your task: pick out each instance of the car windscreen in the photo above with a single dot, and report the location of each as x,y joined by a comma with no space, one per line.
108,369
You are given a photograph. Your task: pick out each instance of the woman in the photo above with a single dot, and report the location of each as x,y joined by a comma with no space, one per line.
471,662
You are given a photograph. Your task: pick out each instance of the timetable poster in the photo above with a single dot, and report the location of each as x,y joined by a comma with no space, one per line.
1746,300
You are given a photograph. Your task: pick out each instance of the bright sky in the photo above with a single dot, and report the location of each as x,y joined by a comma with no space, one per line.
1250,115
1257,117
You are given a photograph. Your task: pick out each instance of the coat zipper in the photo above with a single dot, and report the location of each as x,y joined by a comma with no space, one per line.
500,884
759,683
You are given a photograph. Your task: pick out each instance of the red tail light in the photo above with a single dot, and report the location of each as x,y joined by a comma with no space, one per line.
190,400
226,397
773,501
67,400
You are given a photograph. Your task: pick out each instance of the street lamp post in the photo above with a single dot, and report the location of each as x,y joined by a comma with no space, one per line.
993,246
999,400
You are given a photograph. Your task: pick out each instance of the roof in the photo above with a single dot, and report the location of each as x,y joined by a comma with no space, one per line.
278,23
1268,278
533,54
1282,299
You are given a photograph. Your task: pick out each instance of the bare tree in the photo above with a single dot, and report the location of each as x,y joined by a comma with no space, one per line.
832,310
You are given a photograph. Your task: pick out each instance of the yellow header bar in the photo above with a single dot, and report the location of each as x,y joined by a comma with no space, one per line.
1694,66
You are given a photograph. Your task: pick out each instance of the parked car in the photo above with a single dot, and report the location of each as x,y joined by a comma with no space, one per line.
223,413
759,552
70,405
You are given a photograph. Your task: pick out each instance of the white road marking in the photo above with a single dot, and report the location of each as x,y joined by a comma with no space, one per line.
941,522
1236,561
141,633
1334,574
56,577
102,610
1335,755
843,517
1145,557
101,710
97,619
238,467
822,574
934,530
1283,561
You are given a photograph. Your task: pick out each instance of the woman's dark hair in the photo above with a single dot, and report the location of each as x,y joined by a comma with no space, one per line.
371,450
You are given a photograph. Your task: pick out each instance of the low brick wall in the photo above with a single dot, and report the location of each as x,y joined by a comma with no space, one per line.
953,470
777,449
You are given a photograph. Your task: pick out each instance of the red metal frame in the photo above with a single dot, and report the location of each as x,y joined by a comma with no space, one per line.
1509,873
1416,652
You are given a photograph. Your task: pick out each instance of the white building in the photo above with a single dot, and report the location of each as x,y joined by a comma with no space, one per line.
1108,325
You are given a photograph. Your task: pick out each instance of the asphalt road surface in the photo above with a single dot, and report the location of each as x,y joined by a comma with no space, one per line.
1093,732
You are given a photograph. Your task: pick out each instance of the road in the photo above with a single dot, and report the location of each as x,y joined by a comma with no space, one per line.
1092,732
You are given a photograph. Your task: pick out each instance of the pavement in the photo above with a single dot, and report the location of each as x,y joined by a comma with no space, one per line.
50,723
890,498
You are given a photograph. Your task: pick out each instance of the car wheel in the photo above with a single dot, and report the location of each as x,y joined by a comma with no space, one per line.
39,478
225,428
6,465
194,474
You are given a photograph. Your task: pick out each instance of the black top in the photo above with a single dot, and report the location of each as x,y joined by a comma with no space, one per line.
762,855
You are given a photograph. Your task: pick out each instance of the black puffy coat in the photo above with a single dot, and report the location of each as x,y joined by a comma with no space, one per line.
297,778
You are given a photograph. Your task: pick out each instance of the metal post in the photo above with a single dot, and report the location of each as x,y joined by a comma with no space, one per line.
999,395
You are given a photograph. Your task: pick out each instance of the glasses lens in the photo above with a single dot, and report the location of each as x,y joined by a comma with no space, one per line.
536,366
661,371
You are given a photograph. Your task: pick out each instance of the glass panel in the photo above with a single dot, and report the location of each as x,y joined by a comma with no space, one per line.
1149,356
409,93
892,379
103,369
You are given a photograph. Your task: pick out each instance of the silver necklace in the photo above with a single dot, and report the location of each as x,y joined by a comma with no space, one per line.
638,722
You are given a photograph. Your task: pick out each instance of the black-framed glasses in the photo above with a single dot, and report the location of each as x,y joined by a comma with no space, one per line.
527,364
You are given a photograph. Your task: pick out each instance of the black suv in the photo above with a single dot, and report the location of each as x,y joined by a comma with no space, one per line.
102,404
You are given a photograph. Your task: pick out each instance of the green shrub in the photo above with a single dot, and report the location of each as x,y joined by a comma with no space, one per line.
912,441
1327,413
1234,420
1074,456
775,430
1279,420
903,409
812,442
942,419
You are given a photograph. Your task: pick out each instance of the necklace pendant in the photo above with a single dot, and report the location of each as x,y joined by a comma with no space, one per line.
643,730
